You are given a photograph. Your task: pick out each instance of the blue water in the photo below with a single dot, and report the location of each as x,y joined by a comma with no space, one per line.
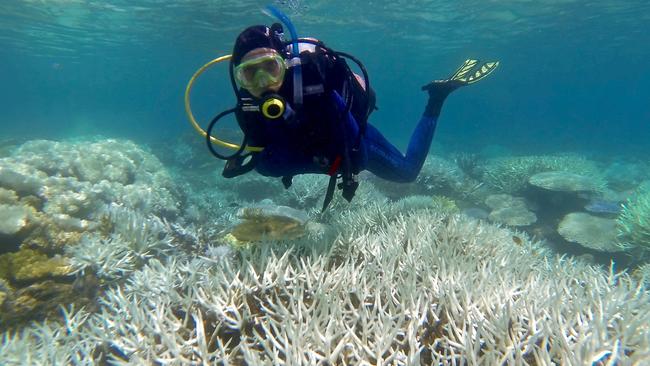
572,77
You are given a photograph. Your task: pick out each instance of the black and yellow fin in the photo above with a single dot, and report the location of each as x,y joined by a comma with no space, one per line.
463,70
485,70
468,67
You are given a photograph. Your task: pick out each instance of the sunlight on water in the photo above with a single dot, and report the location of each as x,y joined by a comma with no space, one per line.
71,28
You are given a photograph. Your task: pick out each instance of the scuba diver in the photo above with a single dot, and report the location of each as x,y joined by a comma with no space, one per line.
303,110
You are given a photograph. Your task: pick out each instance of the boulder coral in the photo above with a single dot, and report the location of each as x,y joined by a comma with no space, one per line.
59,188
52,194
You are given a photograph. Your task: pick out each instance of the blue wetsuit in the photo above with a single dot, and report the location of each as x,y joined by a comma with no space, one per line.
376,154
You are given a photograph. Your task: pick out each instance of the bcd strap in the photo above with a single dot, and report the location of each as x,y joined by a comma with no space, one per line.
349,187
330,192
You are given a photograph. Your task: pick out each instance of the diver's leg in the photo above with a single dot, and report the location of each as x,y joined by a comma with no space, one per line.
385,161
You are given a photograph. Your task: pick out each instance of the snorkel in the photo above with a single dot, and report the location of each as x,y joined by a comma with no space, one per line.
295,52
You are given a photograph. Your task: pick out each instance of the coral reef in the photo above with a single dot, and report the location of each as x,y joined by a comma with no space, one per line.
511,174
441,204
13,219
53,194
60,188
397,276
125,243
28,265
421,290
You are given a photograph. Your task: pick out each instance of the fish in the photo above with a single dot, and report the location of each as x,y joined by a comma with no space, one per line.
603,207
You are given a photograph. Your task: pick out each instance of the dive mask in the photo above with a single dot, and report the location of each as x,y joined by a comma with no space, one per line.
261,72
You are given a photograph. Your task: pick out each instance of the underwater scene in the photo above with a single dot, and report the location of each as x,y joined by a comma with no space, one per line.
425,182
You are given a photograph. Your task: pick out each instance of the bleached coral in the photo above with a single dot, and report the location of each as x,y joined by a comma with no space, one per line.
590,231
511,174
13,218
57,190
77,178
633,222
133,239
423,289
307,190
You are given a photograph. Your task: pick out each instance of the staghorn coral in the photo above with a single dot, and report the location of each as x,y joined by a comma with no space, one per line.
441,204
633,222
420,291
306,191
642,273
511,174
129,240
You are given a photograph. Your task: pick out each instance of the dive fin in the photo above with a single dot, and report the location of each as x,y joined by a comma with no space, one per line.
479,73
463,70
466,74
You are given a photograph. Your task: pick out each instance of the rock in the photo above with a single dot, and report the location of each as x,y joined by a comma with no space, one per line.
509,210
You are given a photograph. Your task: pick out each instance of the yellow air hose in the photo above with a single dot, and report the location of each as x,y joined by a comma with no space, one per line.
190,115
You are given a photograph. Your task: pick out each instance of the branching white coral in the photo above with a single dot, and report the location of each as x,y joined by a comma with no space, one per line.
133,240
51,343
417,289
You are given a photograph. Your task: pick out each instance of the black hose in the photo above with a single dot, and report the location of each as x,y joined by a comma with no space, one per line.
208,136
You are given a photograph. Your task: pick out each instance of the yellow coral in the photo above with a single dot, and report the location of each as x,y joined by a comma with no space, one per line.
30,265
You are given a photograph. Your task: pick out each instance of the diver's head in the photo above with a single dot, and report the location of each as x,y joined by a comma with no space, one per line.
258,65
